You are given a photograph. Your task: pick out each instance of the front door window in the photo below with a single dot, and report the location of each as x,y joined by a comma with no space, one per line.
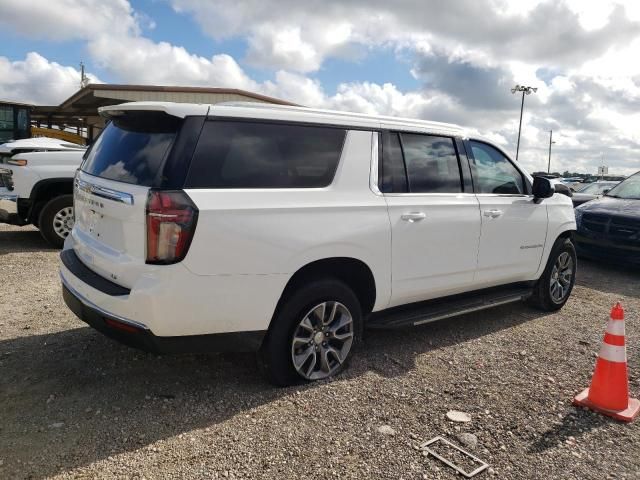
493,172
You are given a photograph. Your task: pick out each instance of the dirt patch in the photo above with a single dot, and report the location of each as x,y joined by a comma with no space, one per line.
75,404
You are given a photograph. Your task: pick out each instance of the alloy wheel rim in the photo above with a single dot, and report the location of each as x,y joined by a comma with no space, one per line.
63,222
322,340
561,276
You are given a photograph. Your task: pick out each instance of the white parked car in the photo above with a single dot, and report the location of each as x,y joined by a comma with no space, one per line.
36,185
288,230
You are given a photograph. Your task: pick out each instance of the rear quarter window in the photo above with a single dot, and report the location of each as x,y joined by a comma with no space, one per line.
242,154
133,148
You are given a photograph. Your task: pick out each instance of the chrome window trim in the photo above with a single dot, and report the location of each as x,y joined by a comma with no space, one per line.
432,194
104,192
506,195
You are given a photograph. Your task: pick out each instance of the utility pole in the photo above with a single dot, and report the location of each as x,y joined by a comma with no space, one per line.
550,143
525,91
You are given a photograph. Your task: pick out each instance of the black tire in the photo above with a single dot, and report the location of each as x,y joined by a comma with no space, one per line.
542,297
49,225
275,357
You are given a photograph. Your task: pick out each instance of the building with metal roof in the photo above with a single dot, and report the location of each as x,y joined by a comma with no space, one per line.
80,110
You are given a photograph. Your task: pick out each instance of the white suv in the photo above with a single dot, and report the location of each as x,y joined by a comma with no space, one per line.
287,230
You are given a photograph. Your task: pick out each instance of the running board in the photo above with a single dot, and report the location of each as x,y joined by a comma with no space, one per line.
441,308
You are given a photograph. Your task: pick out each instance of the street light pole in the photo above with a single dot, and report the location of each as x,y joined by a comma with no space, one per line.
520,126
550,143
525,91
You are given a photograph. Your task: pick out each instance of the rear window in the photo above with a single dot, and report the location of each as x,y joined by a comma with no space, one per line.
133,148
264,155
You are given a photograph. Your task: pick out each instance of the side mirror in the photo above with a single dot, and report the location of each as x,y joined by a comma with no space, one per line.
563,189
605,191
543,188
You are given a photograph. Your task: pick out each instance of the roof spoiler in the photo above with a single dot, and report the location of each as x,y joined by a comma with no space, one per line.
180,110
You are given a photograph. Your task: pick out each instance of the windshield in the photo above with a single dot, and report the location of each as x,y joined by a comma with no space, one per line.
628,189
596,188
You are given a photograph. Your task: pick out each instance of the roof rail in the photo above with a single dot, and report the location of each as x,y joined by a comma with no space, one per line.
337,113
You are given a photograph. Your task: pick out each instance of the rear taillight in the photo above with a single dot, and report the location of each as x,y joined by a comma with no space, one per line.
171,222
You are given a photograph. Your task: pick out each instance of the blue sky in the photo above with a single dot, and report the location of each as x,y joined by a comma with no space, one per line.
382,65
415,58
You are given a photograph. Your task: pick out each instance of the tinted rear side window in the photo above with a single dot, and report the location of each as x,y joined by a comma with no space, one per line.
262,155
432,164
133,148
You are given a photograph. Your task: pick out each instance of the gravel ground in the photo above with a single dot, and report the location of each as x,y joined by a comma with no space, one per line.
74,404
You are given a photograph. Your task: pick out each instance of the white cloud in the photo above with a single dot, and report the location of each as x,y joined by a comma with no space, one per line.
276,47
466,55
384,99
37,80
68,19
140,60
549,31
296,88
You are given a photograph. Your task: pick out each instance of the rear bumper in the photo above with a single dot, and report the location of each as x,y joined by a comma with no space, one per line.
138,335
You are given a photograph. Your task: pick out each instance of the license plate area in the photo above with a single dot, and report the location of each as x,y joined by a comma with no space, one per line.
93,222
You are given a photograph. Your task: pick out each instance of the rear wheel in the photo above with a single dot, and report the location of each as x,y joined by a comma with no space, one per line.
56,220
554,286
312,334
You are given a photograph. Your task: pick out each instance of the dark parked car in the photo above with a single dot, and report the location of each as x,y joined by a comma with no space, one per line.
609,227
591,192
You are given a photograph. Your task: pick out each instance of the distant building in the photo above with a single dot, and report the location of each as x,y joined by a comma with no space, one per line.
80,111
15,121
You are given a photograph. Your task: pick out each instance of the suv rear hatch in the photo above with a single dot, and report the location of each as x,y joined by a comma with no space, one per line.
129,208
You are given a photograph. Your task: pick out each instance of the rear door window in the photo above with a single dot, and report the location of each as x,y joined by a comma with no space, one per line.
238,154
133,148
431,163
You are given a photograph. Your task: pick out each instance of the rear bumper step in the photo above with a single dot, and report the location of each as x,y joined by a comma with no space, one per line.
81,271
439,309
138,336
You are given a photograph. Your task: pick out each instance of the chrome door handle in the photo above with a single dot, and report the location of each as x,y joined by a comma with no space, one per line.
413,216
493,213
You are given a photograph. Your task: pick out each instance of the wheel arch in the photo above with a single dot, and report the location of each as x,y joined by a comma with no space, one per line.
565,232
45,190
352,271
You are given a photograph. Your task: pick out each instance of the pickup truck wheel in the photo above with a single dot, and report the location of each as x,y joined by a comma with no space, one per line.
554,286
56,220
312,334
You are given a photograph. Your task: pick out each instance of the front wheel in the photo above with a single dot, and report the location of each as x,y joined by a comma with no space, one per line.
554,286
56,220
312,334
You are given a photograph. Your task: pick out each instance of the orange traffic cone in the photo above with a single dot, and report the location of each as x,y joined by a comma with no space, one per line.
609,390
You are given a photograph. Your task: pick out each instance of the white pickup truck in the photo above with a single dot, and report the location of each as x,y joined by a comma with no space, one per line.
36,185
